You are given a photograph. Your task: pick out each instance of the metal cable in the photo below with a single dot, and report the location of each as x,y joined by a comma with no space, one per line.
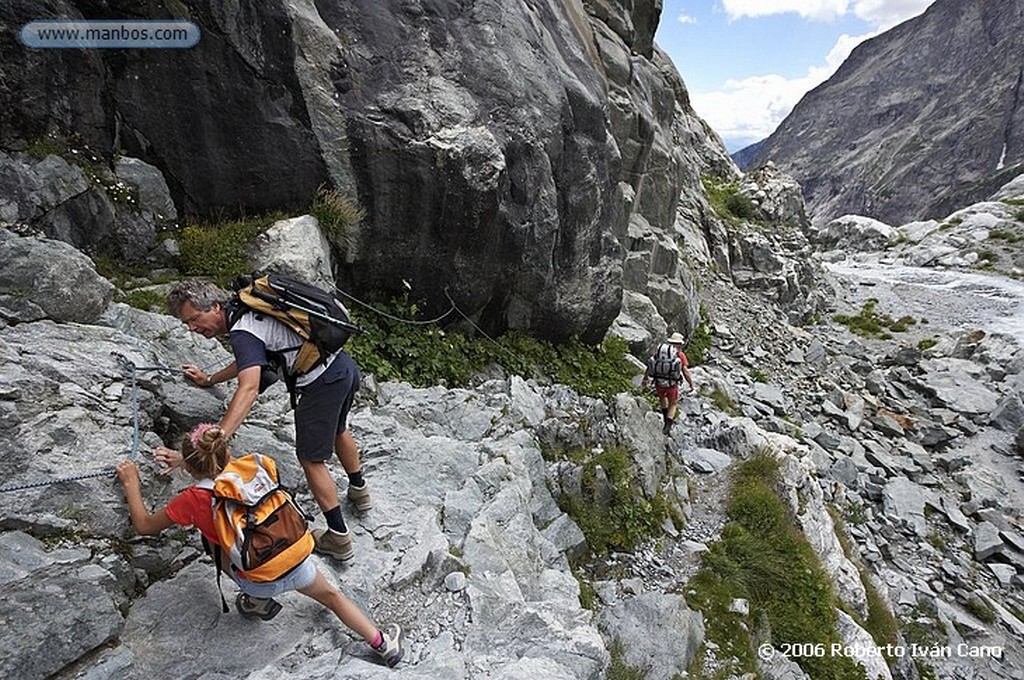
131,369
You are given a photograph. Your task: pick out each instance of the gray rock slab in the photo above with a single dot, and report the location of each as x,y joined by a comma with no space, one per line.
153,194
771,395
959,391
657,631
53,275
296,247
987,541
903,502
51,618
706,460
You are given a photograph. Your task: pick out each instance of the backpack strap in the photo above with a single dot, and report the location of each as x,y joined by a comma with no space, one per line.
210,548
234,309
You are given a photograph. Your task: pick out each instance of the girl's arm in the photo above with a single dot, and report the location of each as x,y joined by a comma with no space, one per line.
143,522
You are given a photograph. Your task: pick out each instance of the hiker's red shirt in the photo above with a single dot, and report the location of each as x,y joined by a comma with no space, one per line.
193,508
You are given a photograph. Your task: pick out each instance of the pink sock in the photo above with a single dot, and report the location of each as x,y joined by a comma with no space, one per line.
378,641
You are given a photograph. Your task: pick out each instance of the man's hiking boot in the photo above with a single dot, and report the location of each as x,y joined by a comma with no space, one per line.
360,497
262,608
334,543
668,426
391,650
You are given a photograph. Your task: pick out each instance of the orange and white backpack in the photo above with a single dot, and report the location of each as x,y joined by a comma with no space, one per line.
260,527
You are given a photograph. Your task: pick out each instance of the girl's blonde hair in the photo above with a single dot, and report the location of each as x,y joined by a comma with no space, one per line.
205,452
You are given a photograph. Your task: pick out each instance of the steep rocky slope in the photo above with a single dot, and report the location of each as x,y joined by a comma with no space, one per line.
912,449
917,122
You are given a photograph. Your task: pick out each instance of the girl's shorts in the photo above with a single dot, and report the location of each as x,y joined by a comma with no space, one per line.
299,577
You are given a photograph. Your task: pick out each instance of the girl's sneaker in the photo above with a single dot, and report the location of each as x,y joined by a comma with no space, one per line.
391,649
263,608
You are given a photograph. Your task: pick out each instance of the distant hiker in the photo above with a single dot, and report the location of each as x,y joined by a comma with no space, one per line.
667,367
204,455
323,397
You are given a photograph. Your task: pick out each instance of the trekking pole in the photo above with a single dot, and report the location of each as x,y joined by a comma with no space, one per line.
285,306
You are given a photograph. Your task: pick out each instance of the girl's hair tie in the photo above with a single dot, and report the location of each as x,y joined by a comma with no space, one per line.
198,432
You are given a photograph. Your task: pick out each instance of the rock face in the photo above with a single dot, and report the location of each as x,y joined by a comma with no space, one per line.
43,278
866,141
501,152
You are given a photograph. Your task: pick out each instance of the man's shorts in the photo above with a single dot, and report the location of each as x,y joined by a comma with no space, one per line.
321,413
671,392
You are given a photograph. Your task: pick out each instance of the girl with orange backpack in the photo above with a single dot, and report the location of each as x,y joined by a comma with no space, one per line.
205,454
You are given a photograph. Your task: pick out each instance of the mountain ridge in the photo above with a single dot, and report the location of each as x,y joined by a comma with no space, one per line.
917,121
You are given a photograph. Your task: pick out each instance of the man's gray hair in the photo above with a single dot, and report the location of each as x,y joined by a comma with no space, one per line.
203,295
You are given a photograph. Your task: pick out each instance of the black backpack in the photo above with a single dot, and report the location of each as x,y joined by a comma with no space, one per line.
315,315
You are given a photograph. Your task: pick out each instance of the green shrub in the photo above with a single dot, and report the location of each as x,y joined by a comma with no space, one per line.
218,250
872,324
723,402
627,518
763,558
981,611
149,300
700,341
428,355
618,669
727,202
48,145
1006,234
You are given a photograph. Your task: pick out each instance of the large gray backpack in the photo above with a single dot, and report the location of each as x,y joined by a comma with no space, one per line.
665,366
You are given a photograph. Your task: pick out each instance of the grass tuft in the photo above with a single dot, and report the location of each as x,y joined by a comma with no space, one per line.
338,216
763,558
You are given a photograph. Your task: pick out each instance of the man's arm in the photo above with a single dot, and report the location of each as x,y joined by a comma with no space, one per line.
688,377
243,399
196,375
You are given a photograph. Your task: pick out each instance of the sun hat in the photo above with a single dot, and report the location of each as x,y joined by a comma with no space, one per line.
676,339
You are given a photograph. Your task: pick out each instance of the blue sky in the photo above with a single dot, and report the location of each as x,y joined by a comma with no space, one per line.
746,63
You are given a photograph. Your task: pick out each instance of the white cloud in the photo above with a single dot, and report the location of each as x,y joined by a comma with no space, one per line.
881,14
745,111
748,110
817,10
884,14
686,19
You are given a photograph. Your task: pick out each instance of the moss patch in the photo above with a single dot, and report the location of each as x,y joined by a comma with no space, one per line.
623,519
869,323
